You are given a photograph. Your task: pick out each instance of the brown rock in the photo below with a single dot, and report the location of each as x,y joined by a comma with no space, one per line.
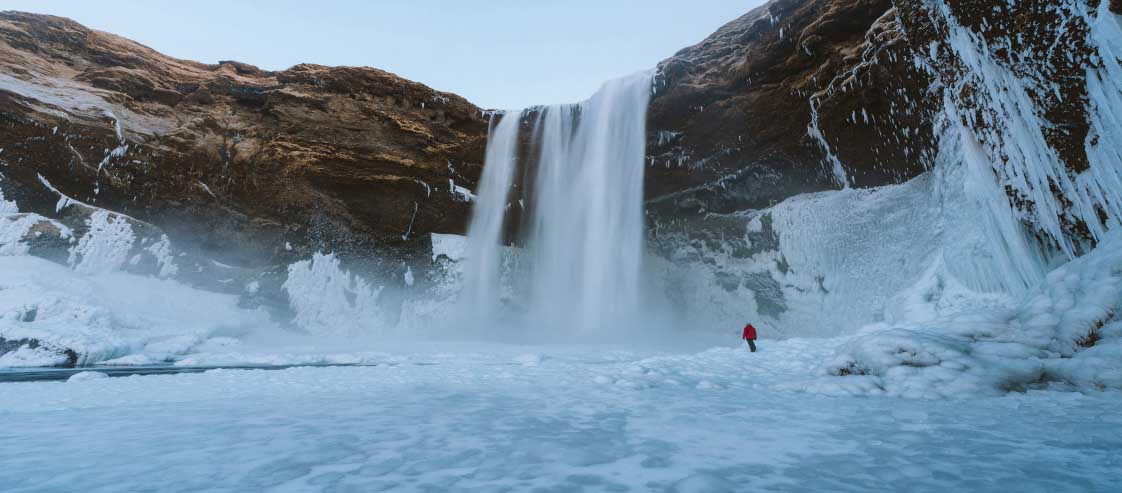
730,122
1044,47
230,158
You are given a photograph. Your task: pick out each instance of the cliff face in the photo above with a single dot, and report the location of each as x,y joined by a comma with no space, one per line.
796,96
1037,86
810,95
250,166
1013,106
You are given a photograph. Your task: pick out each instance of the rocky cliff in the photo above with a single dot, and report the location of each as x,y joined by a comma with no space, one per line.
981,144
248,166
795,96
810,95
255,168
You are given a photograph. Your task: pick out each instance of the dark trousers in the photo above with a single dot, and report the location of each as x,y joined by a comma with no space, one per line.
752,344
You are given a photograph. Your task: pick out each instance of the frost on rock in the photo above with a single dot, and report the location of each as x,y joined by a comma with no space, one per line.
33,355
7,206
450,246
109,315
459,193
162,251
19,230
13,229
999,103
105,246
329,300
435,307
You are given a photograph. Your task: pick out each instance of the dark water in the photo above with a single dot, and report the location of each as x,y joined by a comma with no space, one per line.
53,374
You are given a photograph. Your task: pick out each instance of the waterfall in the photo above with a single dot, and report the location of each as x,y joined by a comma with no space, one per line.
484,249
580,223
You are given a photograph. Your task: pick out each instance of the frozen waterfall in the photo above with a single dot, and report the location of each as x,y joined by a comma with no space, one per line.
578,214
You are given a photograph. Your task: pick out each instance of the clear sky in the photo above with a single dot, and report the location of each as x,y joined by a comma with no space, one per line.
497,53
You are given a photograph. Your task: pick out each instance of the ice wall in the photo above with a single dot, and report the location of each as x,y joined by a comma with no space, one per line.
1001,90
830,263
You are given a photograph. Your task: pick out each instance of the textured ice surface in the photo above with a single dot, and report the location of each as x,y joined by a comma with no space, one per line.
827,264
328,300
493,418
1066,331
113,314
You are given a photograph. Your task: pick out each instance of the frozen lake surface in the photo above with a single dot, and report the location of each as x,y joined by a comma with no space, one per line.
57,374
561,419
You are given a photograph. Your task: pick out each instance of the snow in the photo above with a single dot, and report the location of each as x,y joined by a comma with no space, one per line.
459,193
112,314
26,356
86,376
7,206
162,251
328,300
829,263
1036,341
450,246
105,247
13,229
63,97
580,419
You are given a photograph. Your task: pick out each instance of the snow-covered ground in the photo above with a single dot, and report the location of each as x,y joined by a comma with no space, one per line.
502,418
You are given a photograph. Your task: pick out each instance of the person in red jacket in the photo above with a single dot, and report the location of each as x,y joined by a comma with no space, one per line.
750,336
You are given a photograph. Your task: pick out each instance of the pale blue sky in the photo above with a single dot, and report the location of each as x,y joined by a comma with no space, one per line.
497,53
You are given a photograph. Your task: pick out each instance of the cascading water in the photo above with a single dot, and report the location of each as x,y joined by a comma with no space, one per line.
583,229
482,283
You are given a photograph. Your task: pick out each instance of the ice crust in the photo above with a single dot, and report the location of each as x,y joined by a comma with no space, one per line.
480,418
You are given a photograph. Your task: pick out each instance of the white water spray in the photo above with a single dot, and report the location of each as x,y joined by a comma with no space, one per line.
486,231
583,226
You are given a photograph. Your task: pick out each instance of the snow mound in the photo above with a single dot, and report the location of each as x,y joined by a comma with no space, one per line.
109,315
1067,332
86,375
29,355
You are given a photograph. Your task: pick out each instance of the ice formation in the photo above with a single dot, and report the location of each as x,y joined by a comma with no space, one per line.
1008,127
329,300
1066,331
105,247
951,240
108,315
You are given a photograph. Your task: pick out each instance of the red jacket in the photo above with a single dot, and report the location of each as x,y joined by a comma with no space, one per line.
749,332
